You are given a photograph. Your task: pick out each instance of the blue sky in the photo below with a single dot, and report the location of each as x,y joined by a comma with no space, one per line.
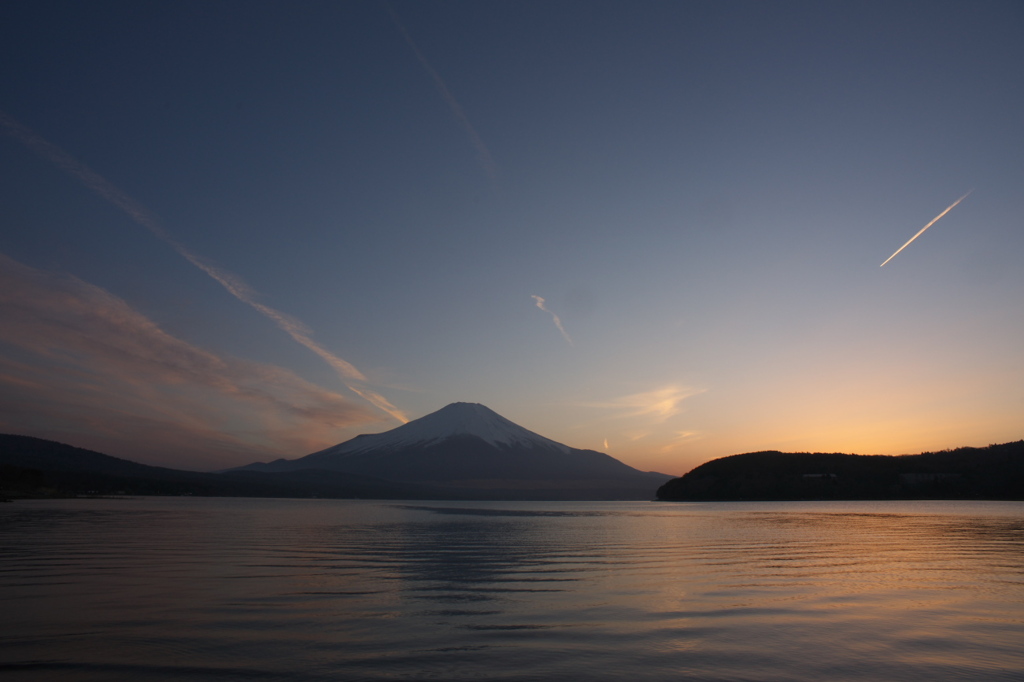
238,231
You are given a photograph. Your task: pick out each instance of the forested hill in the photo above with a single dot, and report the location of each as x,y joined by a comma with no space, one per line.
995,472
35,467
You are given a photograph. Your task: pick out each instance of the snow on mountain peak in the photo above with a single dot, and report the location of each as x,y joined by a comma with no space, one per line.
456,419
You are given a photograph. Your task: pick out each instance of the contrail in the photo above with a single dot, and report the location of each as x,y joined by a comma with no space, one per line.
486,160
934,220
558,322
232,283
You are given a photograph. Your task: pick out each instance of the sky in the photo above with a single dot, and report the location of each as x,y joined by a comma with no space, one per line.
237,231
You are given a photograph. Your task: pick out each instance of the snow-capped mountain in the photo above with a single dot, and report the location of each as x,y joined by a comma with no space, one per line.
457,419
470,445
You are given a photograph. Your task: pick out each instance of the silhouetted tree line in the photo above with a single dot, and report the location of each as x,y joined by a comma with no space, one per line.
20,482
992,473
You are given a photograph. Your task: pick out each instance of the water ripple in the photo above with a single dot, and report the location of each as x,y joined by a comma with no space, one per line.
316,590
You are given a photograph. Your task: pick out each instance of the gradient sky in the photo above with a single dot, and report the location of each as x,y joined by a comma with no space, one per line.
235,231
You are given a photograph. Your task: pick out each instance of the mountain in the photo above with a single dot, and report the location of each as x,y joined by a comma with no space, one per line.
35,467
995,472
469,448
463,451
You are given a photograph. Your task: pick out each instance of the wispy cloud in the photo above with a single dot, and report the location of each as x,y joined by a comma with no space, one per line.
484,155
657,405
353,379
558,322
80,363
643,424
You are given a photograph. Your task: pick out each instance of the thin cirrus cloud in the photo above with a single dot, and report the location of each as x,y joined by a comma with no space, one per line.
483,153
639,419
656,405
81,362
558,322
353,379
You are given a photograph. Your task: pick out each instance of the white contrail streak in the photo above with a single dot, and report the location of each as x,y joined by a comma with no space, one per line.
933,221
558,322
350,376
484,154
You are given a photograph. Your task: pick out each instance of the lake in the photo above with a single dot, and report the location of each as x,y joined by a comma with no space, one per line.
247,589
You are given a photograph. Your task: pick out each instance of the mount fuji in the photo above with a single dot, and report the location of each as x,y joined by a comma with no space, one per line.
469,450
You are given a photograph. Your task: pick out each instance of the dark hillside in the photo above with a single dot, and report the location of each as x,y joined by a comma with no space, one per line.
35,467
995,472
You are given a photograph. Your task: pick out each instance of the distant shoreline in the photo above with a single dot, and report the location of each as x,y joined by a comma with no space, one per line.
992,473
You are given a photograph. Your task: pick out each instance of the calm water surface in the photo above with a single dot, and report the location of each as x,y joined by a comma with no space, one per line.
241,589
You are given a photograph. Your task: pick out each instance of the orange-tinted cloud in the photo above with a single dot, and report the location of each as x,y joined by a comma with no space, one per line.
352,377
80,364
656,405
